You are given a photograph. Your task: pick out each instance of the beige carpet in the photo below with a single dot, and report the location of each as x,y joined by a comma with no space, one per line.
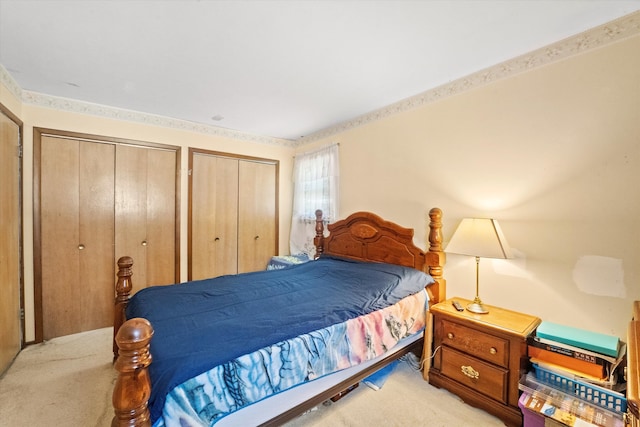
68,382
63,382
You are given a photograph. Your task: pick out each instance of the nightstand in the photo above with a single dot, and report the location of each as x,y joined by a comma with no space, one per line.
480,357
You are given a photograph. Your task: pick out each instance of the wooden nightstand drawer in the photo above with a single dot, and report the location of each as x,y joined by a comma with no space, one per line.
483,377
487,347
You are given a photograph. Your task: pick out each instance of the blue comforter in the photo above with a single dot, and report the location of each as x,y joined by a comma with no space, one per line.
199,325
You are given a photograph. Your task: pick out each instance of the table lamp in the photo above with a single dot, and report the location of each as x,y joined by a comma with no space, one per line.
482,238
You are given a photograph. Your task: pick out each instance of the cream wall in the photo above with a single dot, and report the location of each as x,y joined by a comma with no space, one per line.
34,116
552,153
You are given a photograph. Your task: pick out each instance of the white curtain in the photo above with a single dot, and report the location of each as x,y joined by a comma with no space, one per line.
315,186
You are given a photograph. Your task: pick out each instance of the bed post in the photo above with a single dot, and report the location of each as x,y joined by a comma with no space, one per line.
319,239
133,386
436,254
123,290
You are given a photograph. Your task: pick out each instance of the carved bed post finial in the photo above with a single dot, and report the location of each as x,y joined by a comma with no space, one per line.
319,239
133,386
435,248
435,230
123,291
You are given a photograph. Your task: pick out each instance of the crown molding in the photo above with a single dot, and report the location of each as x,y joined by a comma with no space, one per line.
8,81
81,107
619,29
613,31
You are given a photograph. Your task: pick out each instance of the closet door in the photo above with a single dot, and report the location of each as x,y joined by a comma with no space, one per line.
257,215
10,325
145,200
76,235
213,243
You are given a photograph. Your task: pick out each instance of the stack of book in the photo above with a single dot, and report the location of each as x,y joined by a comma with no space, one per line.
574,380
578,354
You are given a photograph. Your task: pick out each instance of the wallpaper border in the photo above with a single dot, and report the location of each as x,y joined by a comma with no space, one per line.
613,31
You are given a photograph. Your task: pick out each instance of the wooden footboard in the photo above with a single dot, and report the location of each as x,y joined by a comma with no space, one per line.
363,236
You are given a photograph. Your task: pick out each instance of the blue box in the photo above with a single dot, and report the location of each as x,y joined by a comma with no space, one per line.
608,399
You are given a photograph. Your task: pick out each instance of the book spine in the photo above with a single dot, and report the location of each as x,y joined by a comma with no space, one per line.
592,369
602,356
578,355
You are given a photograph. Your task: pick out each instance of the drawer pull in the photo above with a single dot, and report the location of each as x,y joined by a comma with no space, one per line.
470,372
450,335
493,350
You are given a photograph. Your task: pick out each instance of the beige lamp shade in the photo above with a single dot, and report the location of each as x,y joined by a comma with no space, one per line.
480,237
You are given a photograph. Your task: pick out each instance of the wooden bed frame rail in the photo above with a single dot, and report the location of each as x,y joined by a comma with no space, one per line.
362,236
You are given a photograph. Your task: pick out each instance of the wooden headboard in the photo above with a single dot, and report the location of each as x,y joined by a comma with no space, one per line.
365,236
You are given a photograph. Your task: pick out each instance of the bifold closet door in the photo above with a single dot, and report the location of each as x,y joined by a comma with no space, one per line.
256,215
10,325
76,235
145,212
213,246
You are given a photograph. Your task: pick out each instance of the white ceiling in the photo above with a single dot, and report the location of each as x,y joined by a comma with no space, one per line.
272,68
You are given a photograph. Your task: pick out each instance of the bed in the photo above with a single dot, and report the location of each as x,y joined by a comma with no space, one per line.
290,367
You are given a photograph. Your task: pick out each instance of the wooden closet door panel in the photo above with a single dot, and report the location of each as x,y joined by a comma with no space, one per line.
161,217
96,235
146,213
10,327
214,217
60,234
74,175
131,210
256,215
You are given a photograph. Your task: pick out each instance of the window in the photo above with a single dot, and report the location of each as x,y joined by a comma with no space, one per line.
315,186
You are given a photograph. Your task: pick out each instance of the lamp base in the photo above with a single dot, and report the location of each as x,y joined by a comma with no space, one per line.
477,307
